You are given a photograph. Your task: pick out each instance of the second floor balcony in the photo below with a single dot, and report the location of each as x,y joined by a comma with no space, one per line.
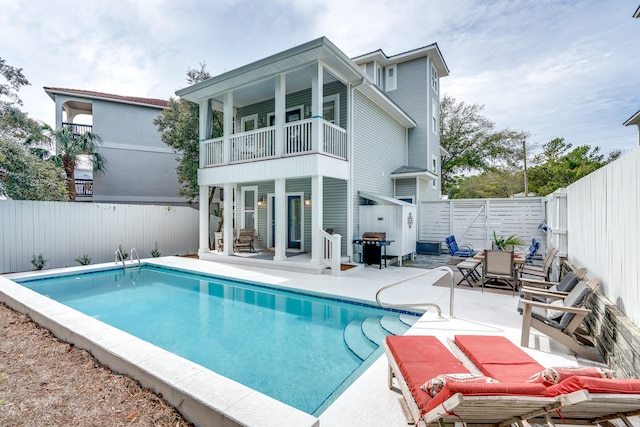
78,129
294,139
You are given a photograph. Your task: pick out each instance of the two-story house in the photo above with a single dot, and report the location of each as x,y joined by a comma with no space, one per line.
310,135
140,167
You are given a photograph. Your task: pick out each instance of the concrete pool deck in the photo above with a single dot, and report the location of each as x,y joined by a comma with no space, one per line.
196,390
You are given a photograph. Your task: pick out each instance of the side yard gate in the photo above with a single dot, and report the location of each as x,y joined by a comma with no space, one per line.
473,221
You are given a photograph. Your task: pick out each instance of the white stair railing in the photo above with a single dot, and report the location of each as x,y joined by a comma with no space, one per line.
331,244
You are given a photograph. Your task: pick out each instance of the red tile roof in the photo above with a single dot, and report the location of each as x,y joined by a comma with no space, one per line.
151,102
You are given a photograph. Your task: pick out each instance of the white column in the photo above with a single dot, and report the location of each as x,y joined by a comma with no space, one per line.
280,237
228,127
317,101
206,116
316,218
227,230
280,100
204,220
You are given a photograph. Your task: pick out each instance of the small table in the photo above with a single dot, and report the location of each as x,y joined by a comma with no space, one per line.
468,270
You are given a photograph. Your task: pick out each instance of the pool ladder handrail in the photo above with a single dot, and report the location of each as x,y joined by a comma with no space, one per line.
133,251
424,304
120,256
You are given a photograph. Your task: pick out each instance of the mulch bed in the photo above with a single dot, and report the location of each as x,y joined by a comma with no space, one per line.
47,382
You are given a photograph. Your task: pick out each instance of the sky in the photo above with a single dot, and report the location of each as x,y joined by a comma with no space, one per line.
552,68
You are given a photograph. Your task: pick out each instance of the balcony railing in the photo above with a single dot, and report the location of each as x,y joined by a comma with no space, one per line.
84,188
261,143
78,129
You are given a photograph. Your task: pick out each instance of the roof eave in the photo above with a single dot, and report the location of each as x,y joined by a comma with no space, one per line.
420,174
52,92
633,120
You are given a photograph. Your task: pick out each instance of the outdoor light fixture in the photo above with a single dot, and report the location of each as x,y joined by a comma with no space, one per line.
307,200
261,201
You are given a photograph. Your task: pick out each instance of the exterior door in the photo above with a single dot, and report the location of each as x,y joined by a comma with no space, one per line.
294,221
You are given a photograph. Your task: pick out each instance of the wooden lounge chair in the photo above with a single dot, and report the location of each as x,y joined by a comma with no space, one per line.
540,270
244,240
561,286
559,322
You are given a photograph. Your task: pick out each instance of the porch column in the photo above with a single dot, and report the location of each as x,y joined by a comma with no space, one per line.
227,109
317,101
206,117
204,220
227,228
280,100
316,218
280,237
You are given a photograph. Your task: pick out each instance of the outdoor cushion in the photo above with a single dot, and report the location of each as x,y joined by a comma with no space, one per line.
435,384
486,389
551,376
568,282
594,385
497,357
574,299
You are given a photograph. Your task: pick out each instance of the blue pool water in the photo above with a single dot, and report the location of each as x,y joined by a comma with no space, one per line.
301,350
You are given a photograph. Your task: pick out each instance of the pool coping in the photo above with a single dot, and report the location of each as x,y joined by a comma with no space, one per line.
201,395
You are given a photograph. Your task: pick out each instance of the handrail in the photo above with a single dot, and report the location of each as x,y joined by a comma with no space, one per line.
133,251
120,256
429,304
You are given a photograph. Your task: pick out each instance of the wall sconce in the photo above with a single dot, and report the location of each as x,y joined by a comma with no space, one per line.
262,121
261,201
307,200
307,111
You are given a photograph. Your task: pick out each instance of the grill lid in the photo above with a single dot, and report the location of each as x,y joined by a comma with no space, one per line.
374,236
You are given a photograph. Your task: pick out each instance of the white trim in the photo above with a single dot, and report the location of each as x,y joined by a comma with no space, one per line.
297,107
391,81
130,147
435,83
245,119
336,107
270,220
434,116
246,189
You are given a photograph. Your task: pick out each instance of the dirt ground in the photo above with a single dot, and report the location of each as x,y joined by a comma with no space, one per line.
47,382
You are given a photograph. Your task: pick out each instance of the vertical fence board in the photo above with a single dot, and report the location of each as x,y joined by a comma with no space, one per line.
63,231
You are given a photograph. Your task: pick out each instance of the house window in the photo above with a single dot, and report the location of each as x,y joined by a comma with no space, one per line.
434,183
249,207
434,164
331,109
434,78
249,123
434,116
378,76
390,78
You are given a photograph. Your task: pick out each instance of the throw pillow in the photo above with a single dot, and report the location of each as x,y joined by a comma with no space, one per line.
555,314
434,385
551,376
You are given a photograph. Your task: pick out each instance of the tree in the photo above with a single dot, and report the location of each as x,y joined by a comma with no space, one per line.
489,184
179,126
70,148
473,144
557,167
24,175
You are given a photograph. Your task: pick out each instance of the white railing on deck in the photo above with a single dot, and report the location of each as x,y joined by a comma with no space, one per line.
255,144
211,152
335,140
297,136
331,244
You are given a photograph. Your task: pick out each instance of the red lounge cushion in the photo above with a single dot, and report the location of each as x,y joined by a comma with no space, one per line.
595,385
497,357
421,358
551,376
487,389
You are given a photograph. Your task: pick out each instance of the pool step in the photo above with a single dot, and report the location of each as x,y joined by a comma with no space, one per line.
408,319
393,325
355,340
372,329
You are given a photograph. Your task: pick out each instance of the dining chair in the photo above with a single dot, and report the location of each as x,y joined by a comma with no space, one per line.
499,269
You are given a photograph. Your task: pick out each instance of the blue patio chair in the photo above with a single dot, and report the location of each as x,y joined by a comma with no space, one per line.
531,252
455,250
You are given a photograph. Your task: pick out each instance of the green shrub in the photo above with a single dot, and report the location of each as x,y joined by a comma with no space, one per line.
84,259
39,262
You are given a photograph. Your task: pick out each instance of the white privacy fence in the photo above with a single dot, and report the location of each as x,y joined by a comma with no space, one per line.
603,228
62,232
473,221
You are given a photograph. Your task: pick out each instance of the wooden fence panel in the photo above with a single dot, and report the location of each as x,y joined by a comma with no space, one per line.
473,221
63,231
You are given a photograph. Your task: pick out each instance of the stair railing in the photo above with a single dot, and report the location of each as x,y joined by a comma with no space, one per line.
133,251
424,304
119,257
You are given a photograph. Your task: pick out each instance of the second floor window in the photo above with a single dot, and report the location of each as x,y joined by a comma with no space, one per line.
434,116
391,78
434,78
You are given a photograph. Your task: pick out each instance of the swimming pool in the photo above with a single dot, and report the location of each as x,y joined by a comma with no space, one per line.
301,350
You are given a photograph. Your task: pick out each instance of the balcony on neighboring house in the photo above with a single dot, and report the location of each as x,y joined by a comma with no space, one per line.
295,139
78,129
84,188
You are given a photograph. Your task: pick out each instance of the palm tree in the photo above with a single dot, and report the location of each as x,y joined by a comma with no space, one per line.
69,149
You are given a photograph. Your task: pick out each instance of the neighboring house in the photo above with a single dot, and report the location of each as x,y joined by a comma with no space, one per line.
310,135
634,120
140,167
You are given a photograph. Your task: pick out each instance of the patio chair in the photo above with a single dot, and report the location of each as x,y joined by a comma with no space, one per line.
567,283
499,268
540,270
244,240
559,320
465,251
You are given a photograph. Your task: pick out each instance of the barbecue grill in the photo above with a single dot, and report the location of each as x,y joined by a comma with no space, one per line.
374,248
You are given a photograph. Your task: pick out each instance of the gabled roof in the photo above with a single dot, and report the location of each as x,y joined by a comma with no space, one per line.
89,94
633,120
432,50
